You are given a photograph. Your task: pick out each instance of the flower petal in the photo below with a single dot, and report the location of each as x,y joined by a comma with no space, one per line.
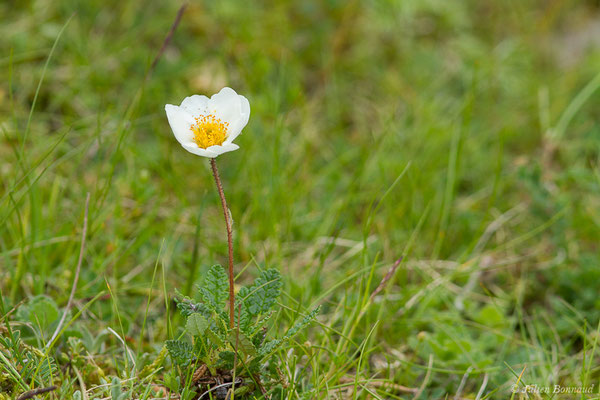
224,148
196,105
194,149
235,128
225,105
212,151
180,122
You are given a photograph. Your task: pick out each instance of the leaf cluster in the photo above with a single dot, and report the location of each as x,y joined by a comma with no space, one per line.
21,364
243,351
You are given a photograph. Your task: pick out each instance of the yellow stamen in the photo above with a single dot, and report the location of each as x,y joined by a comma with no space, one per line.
209,131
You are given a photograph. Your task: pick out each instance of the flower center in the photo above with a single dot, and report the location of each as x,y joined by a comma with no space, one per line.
209,131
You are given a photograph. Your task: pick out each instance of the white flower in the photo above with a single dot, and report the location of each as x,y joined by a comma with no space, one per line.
207,127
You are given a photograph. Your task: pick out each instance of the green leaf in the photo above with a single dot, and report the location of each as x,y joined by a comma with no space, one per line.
490,316
263,294
214,338
243,343
242,391
180,352
254,366
260,323
259,338
226,359
272,345
188,394
215,290
303,323
243,318
196,324
187,307
172,381
115,391
42,312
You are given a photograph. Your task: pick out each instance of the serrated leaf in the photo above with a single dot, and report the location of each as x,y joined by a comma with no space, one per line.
272,345
214,338
259,338
263,294
260,323
187,307
215,289
303,323
226,359
243,319
196,324
243,343
180,352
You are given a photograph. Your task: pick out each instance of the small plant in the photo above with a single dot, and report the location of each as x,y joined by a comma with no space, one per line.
217,359
21,364
228,353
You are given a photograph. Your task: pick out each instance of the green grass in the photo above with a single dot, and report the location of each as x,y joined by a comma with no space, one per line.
462,136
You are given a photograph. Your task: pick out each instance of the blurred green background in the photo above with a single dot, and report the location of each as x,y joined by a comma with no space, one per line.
462,135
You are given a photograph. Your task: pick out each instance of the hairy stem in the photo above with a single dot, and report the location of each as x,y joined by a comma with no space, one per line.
215,171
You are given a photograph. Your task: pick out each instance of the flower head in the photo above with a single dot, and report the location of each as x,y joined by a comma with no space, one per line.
207,127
